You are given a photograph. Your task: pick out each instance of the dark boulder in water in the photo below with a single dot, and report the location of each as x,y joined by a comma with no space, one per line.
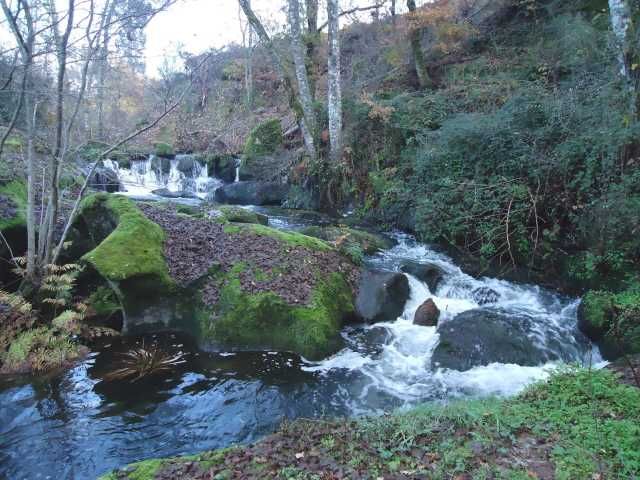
482,336
428,273
163,192
252,193
105,180
485,295
382,295
427,314
186,164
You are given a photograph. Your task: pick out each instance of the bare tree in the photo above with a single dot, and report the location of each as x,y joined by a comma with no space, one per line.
22,26
285,73
334,100
306,99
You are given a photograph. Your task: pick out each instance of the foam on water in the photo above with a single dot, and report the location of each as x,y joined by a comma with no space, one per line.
402,368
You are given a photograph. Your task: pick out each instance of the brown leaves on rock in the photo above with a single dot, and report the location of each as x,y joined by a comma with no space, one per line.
193,246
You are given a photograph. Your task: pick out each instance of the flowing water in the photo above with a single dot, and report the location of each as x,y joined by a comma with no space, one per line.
182,174
78,424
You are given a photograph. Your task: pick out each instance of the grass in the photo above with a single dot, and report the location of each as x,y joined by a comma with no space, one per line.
134,249
580,424
17,192
39,350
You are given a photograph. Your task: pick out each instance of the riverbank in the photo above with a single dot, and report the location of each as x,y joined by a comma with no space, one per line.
578,424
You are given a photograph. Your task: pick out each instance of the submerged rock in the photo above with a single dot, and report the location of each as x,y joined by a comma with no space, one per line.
428,273
252,193
382,295
485,295
427,314
481,336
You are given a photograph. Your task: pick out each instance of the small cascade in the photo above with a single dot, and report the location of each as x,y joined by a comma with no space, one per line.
182,176
237,177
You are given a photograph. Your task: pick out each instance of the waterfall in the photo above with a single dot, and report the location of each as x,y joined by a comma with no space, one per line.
183,175
238,163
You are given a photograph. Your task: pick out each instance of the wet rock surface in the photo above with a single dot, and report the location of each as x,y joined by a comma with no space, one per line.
427,314
482,336
382,295
252,193
428,273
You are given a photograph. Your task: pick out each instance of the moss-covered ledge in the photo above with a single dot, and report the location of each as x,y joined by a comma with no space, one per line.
266,320
135,246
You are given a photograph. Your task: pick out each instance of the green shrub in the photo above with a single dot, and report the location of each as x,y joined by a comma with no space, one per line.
264,139
164,150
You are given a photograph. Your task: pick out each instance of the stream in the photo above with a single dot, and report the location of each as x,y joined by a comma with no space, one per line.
78,425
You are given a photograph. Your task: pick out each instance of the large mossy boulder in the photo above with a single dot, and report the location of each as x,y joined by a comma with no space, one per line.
232,284
612,321
252,193
265,320
382,296
484,336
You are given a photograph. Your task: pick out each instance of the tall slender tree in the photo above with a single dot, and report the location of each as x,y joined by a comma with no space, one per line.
416,47
334,100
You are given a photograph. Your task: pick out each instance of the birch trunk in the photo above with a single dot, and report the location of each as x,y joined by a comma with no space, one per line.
306,100
334,89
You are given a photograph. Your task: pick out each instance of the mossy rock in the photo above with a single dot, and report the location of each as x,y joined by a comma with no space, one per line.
164,150
350,239
39,350
264,139
13,202
242,215
264,320
293,239
147,469
134,247
598,318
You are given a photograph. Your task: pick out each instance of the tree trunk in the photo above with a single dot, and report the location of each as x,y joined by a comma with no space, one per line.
103,66
416,50
334,88
46,239
280,64
306,101
312,41
622,13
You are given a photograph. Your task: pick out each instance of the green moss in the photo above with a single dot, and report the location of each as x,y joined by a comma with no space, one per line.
145,470
104,302
264,139
266,320
39,350
16,191
13,143
242,215
133,249
369,243
290,238
597,313
164,150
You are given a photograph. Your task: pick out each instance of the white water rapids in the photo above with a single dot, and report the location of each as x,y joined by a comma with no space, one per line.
402,367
